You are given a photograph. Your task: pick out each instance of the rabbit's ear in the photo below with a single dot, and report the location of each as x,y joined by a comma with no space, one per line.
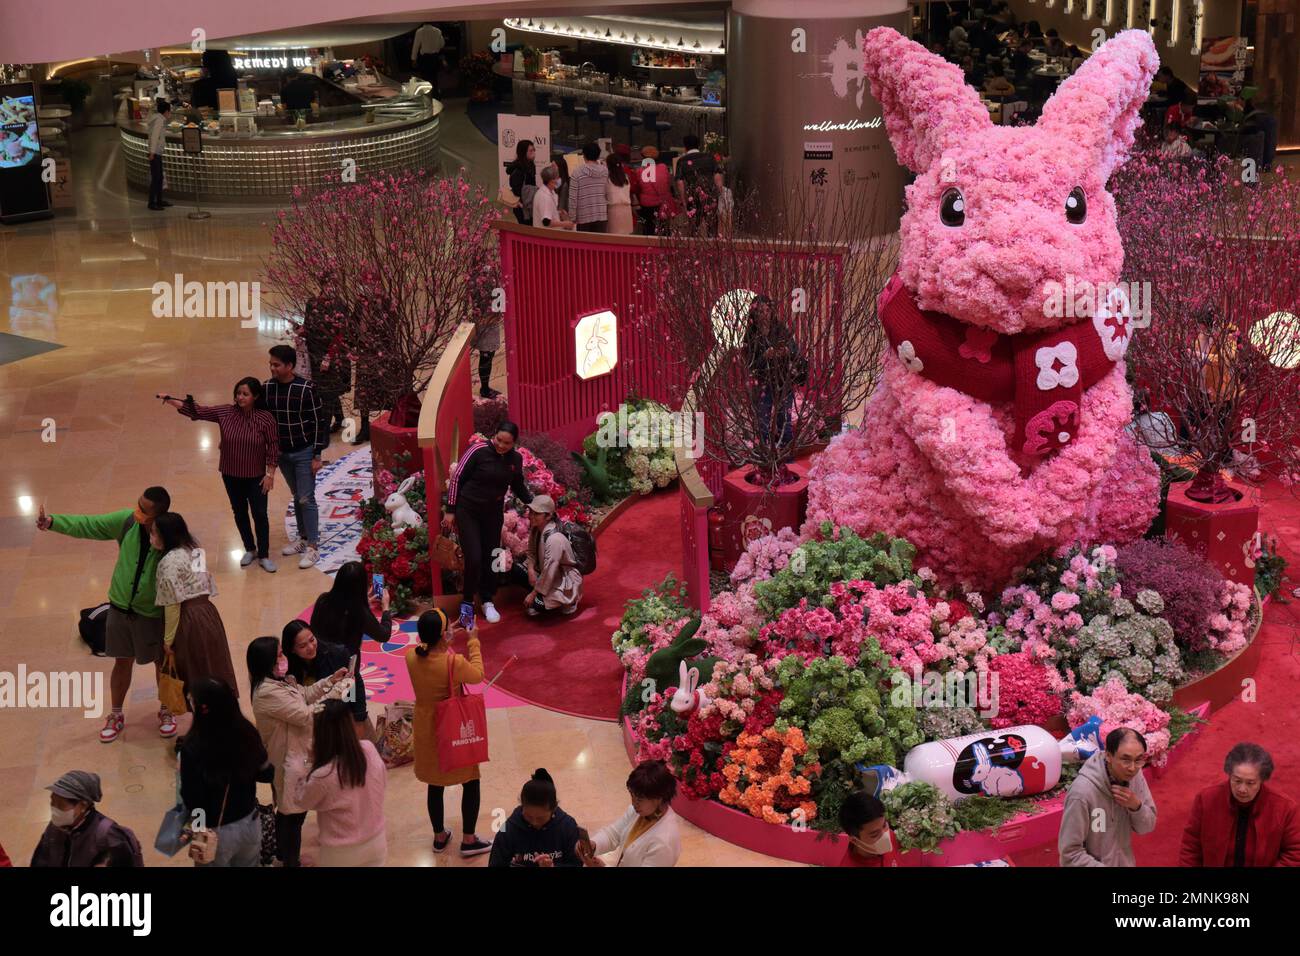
927,104
1099,106
683,676
981,755
406,485
694,674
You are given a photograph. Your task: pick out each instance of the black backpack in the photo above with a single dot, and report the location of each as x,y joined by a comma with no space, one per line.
583,544
93,626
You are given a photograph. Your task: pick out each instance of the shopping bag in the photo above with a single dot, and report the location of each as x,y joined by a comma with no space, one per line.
171,691
174,832
461,720
396,733
446,553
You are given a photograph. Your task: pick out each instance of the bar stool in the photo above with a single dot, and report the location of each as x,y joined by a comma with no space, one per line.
569,107
544,104
598,115
623,117
653,122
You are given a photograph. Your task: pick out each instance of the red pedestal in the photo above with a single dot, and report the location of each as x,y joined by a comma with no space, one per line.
388,441
750,511
1222,533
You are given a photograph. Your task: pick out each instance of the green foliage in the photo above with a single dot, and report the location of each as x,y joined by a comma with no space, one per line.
664,601
599,472
1270,569
880,559
920,815
846,719
982,813
1181,723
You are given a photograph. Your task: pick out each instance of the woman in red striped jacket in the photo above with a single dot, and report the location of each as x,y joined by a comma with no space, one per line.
250,449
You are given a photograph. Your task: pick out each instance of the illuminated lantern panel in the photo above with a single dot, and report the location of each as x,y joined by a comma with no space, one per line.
595,344
730,315
1278,337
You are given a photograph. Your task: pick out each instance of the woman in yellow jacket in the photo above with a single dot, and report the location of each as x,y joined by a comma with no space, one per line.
427,663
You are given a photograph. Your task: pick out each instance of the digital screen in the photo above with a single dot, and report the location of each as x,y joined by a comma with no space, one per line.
20,142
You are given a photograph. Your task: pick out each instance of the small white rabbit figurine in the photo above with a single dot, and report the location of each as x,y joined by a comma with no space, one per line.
399,509
688,697
994,781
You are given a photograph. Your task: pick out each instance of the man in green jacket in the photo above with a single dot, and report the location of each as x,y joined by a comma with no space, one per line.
134,623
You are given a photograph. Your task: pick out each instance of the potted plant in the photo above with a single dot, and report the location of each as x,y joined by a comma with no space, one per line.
1216,252
477,70
774,327
388,268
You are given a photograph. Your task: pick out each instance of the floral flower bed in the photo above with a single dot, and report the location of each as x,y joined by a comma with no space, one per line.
401,555
631,451
815,633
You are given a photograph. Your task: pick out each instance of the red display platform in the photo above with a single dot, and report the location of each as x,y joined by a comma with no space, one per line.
388,441
1222,533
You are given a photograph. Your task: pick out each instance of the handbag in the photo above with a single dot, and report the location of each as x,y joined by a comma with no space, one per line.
506,197
446,553
174,832
396,733
461,722
203,845
171,689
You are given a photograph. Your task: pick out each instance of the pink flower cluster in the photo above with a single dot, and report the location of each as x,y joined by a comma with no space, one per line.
764,557
735,688
1228,626
1117,707
731,627
1024,694
1036,621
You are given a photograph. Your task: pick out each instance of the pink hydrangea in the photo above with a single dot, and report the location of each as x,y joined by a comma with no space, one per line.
764,557
1117,707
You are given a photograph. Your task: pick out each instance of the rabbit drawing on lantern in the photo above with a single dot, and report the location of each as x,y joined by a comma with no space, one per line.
399,509
997,430
688,698
994,781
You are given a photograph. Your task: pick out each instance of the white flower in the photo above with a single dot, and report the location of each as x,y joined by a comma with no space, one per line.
1113,322
907,355
1047,358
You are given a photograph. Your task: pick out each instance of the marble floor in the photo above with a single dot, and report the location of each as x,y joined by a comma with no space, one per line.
80,432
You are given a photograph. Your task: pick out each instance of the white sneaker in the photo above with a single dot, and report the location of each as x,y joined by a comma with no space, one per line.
490,613
294,547
248,558
268,565
309,557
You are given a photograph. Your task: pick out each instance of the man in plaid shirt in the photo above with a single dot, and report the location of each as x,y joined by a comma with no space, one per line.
304,433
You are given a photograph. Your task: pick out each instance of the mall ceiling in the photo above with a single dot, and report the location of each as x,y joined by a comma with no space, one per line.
58,30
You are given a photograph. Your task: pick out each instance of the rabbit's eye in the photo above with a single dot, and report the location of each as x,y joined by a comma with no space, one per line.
952,208
1076,206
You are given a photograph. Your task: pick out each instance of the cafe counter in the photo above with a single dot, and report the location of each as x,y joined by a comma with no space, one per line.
280,157
685,115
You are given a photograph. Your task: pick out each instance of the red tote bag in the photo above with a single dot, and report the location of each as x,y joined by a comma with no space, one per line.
462,725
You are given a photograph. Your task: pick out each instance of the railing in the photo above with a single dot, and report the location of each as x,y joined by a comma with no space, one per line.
446,421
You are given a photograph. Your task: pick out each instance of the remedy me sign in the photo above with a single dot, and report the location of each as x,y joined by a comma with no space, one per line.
272,60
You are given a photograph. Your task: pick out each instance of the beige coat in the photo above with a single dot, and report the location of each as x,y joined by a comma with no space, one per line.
284,719
553,573
429,679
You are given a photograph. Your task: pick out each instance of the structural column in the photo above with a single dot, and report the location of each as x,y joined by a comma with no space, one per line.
800,114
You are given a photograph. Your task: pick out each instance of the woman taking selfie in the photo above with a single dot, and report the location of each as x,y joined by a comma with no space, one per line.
311,659
342,616
345,785
250,449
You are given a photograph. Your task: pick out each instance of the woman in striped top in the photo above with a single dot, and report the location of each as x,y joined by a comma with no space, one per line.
250,449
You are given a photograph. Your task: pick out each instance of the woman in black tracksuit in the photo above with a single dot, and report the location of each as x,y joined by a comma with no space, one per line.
475,507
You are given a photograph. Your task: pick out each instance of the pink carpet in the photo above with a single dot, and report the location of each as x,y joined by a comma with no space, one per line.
1272,720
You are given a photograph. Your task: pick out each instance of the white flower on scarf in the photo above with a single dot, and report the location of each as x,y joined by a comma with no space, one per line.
907,355
1057,365
1113,323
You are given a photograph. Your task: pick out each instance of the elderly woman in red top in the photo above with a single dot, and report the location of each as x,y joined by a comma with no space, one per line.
1242,821
250,449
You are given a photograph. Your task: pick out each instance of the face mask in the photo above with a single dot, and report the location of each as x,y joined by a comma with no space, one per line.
63,818
281,667
879,846
140,517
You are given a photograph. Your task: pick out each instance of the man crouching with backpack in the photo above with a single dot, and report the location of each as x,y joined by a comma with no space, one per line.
552,569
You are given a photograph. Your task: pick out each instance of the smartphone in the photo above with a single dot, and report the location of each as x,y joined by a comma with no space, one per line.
352,664
377,586
467,616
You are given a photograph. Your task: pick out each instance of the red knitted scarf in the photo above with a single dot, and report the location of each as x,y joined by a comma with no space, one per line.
1043,374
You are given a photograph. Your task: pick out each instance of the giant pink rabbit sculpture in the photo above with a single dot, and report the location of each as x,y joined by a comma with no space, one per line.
997,431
